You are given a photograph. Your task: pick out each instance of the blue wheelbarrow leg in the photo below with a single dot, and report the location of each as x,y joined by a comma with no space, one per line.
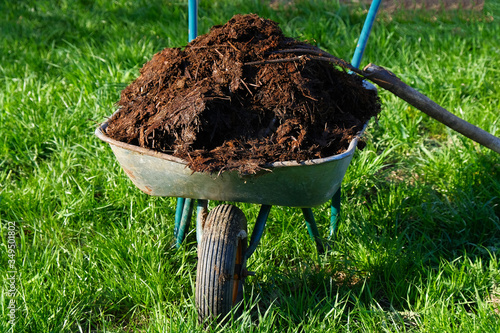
312,228
183,216
258,230
178,215
334,215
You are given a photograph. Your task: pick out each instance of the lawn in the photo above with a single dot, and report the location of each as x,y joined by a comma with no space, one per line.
83,250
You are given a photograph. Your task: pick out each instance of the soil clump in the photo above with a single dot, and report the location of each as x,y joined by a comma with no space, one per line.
238,99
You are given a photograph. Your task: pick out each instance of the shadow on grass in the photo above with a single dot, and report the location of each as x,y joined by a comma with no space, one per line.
443,243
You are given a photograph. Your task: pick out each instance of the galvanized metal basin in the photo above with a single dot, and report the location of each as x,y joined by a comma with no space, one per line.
305,184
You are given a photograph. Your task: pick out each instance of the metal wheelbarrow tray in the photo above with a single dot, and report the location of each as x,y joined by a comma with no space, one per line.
290,183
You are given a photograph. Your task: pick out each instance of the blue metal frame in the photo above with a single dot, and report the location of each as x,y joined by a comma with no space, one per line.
178,215
192,19
184,209
312,228
258,229
365,33
334,214
184,222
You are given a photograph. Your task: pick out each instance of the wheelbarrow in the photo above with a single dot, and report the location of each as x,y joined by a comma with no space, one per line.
222,235
223,243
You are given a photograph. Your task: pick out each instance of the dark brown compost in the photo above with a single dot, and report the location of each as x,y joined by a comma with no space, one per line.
235,99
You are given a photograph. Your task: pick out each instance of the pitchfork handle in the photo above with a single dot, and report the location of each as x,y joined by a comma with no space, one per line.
391,82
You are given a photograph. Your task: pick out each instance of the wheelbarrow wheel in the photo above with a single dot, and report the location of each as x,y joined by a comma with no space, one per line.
219,278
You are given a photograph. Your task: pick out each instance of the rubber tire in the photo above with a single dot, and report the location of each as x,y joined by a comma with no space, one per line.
219,282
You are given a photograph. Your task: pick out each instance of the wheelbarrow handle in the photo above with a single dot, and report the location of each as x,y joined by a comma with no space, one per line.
392,83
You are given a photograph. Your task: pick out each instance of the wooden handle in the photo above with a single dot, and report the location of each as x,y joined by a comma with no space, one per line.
391,82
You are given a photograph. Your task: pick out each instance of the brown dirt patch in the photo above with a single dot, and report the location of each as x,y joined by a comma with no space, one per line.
214,106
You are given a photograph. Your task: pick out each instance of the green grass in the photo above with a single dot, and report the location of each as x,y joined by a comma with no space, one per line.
419,244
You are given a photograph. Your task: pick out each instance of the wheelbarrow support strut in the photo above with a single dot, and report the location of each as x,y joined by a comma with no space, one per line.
184,213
